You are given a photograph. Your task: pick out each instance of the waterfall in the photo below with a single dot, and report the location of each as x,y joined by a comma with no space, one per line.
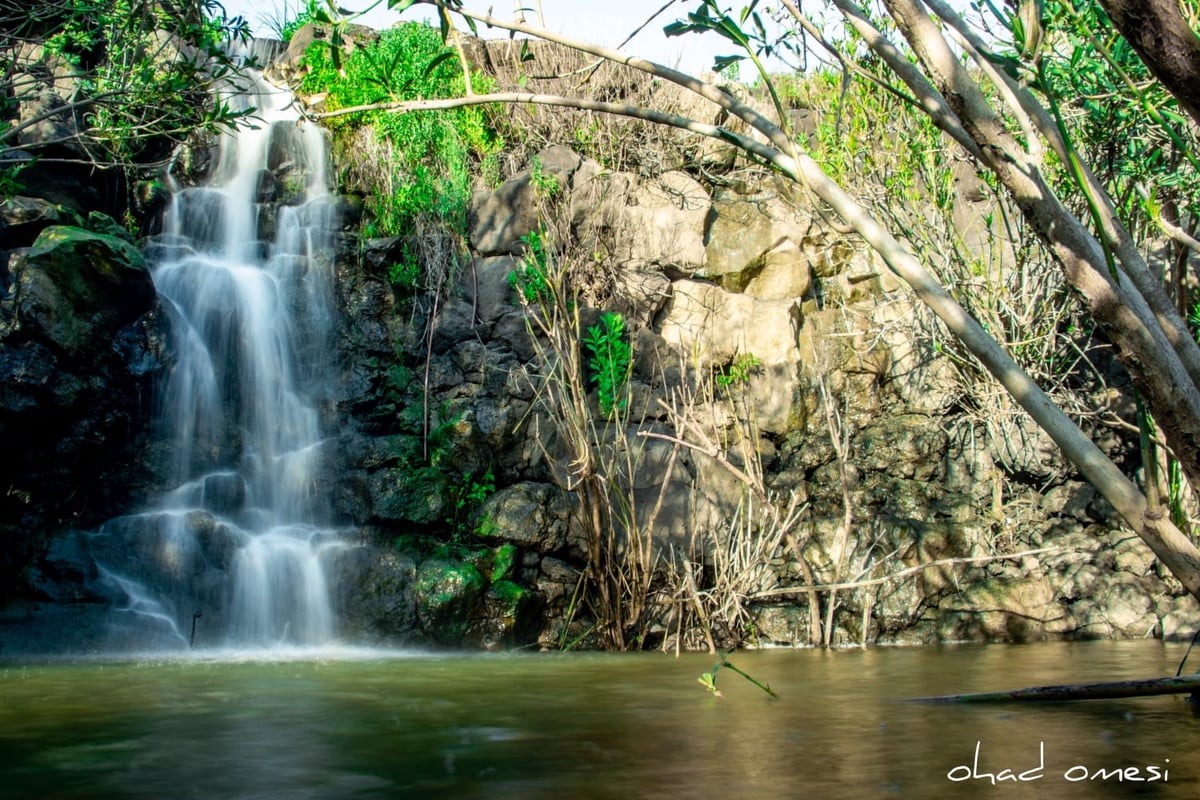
235,553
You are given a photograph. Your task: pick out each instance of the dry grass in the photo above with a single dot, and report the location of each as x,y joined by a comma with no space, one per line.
617,143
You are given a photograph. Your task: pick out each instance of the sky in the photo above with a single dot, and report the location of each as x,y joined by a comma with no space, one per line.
605,22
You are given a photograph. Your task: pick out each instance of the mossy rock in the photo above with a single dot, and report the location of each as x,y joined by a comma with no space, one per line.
410,495
511,597
504,560
512,616
449,598
77,288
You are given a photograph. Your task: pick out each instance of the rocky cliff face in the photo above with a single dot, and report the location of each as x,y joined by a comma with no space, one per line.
851,408
81,339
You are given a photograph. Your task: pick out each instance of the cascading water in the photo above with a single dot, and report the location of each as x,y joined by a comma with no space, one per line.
236,554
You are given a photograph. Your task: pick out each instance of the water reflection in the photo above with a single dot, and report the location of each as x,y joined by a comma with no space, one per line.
589,726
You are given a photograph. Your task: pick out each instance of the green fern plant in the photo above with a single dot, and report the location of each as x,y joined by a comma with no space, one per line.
610,362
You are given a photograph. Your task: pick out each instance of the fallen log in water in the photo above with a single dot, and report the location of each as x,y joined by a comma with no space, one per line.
1184,684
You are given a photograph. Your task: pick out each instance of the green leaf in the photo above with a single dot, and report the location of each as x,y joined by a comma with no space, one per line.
678,28
747,11
436,62
721,63
758,25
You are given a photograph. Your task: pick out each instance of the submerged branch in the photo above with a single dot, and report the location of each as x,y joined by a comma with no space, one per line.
1150,687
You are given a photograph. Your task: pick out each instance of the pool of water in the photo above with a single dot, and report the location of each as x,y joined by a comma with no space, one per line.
370,724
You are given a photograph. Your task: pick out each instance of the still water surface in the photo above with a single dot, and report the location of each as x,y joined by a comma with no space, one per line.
589,726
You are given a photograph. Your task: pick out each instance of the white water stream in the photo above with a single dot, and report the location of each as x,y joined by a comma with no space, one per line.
232,556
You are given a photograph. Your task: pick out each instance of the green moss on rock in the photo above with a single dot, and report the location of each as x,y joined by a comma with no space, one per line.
504,560
449,597
78,287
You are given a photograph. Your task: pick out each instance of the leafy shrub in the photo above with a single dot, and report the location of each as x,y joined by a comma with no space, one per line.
610,362
434,152
405,274
138,93
529,278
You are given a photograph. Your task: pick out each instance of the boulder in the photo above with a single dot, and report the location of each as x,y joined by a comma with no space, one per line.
22,219
449,596
756,245
376,595
497,220
525,514
663,224
511,617
76,288
718,327
402,494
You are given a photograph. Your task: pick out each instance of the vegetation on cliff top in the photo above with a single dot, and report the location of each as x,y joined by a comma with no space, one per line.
425,160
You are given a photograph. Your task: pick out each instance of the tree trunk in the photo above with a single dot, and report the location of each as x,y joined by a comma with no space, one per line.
1122,312
1158,32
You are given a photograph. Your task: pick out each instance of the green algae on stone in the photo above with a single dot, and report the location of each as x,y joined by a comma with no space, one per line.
449,594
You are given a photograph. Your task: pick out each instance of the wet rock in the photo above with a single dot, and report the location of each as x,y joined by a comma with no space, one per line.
782,624
267,189
22,219
511,617
224,493
76,288
67,573
218,543
449,598
376,593
409,495
80,343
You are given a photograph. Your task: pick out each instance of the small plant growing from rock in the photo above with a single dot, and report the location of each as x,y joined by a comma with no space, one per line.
469,496
545,184
610,362
529,278
739,371
405,275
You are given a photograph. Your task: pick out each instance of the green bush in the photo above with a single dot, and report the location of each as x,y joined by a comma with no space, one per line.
610,362
530,277
138,93
435,152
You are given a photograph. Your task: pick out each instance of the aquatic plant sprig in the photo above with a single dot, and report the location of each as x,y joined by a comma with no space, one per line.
709,679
